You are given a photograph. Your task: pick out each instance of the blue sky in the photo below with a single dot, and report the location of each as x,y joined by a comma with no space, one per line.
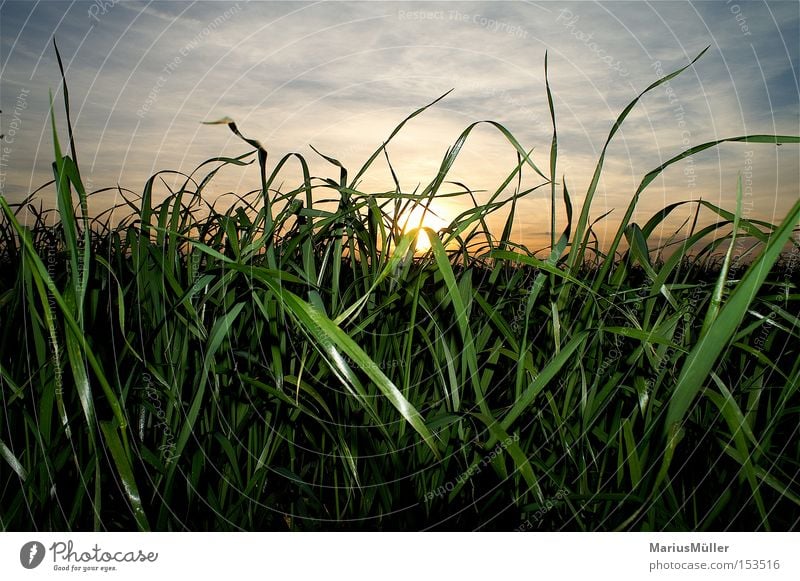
340,76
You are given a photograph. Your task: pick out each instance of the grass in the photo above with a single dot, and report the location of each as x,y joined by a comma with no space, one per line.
284,363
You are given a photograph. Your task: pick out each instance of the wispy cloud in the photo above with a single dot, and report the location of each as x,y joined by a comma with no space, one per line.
341,75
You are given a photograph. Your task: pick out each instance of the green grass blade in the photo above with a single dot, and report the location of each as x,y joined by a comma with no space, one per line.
705,353
331,339
125,473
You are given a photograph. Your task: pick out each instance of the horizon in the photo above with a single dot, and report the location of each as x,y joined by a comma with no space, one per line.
138,109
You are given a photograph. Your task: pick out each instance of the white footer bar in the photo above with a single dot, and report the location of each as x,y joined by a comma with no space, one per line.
400,556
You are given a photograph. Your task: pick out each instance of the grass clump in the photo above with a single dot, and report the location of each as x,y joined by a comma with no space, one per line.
287,364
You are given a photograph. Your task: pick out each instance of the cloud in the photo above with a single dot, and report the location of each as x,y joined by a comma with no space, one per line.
341,76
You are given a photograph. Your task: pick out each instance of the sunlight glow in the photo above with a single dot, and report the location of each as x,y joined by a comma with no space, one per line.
419,218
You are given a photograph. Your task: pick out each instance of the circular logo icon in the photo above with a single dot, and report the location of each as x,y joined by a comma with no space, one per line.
31,554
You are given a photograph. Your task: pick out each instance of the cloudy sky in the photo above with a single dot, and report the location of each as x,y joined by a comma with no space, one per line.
339,76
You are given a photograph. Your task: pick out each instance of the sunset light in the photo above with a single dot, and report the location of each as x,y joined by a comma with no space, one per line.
349,266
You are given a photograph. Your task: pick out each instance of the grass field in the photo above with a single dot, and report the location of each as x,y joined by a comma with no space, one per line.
290,364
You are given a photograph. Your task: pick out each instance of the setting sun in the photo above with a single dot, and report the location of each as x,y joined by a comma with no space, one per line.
433,218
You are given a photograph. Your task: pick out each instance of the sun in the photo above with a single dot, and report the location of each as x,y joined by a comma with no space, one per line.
419,218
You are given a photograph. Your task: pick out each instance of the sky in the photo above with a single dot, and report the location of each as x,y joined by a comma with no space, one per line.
143,76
